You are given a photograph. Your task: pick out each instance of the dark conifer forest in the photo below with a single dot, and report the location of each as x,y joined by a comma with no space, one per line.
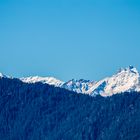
43,112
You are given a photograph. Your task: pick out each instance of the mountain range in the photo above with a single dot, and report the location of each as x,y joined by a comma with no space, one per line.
125,80
37,108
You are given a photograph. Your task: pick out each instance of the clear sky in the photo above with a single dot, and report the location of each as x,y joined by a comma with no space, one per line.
67,39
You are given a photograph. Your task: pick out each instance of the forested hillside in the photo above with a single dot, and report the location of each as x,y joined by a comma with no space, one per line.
42,112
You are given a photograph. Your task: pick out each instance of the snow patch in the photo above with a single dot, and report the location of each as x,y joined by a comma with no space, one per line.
44,80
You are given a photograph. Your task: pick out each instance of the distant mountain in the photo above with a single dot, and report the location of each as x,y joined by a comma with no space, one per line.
37,111
79,86
2,75
125,80
44,80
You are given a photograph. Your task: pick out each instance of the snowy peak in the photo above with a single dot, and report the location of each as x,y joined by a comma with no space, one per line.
79,86
130,69
127,79
133,69
44,80
2,75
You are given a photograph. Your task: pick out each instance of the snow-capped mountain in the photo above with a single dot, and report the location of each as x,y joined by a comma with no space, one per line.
2,75
44,80
79,86
126,79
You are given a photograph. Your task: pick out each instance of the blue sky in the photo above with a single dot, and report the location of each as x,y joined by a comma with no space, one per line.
69,39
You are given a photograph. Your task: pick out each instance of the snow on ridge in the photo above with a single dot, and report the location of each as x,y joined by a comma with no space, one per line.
125,80
44,80
79,86
2,75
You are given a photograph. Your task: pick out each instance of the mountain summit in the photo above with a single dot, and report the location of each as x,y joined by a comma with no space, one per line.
2,75
127,79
